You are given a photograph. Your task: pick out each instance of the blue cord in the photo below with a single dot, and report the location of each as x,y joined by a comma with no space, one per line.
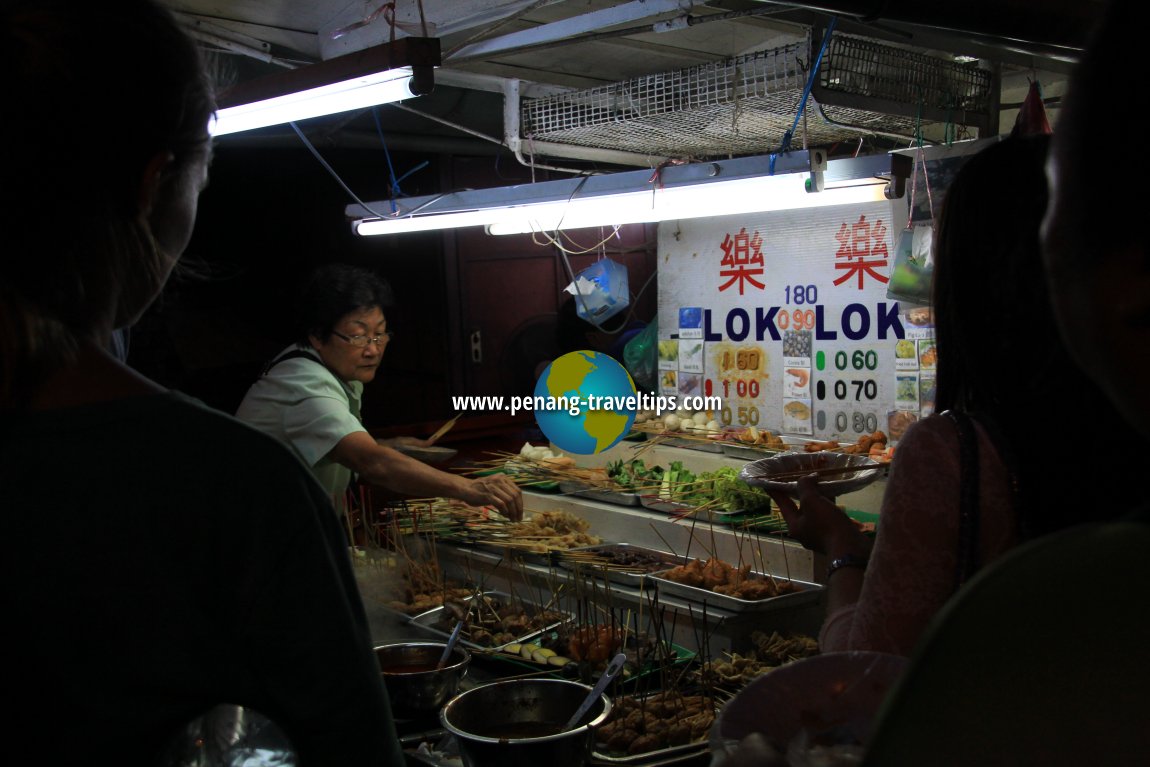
806,92
395,190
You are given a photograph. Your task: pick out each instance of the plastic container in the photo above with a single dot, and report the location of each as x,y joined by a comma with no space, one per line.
604,288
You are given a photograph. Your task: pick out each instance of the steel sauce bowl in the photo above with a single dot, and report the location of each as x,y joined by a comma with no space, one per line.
413,683
490,722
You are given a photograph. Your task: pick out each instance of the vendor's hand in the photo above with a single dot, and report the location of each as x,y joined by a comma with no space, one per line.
816,522
500,491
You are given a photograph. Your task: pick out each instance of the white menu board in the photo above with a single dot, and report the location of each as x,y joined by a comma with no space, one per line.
791,310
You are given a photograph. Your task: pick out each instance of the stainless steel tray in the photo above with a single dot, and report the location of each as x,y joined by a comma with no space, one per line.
808,594
674,507
634,580
657,758
749,452
606,496
663,757
429,618
710,446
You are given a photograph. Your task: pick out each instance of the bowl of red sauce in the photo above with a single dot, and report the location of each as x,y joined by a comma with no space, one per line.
414,683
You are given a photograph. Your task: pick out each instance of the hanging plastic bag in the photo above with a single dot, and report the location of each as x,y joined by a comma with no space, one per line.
641,357
910,278
913,266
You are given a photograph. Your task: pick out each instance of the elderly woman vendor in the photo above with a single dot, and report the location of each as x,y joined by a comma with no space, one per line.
309,397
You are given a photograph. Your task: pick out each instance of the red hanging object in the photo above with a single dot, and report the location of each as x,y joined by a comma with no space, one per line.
1031,120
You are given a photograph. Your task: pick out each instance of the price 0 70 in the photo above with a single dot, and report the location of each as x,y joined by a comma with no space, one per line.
864,389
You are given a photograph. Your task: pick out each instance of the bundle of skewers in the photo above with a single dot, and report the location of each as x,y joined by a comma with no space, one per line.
540,533
527,470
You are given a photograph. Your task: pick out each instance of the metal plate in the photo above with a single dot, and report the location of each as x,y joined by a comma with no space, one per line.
758,473
606,496
430,454
809,593
429,618
634,580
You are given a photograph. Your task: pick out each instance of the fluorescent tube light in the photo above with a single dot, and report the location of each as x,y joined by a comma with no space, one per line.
359,93
743,185
378,75
736,197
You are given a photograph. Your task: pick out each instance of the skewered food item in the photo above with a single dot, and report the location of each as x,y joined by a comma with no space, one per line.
490,621
548,530
414,602
753,436
594,644
865,445
637,726
716,575
770,651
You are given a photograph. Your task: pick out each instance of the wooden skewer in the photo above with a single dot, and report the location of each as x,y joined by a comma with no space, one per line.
443,429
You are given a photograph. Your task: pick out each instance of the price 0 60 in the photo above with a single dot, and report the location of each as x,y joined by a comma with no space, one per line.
859,360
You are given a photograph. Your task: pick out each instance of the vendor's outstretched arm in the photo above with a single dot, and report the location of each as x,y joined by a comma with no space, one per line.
382,465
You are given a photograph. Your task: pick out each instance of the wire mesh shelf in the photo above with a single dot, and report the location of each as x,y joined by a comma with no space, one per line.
743,105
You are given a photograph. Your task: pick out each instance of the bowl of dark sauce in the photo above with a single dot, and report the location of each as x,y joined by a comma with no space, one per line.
414,685
521,723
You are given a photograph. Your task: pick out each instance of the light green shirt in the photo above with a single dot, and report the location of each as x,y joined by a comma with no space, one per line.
303,404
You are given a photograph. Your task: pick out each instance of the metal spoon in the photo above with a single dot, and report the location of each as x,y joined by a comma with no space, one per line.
614,668
450,646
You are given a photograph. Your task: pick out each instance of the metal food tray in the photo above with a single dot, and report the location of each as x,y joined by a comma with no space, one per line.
710,446
634,580
660,756
606,496
655,503
810,593
495,548
750,452
428,619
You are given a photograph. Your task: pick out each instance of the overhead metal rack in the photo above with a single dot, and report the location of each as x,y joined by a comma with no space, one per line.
745,104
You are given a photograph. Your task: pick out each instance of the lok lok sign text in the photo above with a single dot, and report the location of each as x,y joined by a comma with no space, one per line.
785,315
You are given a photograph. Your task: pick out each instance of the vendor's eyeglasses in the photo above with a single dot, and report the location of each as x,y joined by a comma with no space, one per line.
362,341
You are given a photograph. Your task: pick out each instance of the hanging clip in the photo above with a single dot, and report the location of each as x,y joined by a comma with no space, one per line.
817,181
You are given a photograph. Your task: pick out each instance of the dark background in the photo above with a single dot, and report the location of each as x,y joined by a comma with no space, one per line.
271,213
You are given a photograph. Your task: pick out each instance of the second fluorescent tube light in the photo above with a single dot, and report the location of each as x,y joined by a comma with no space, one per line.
744,185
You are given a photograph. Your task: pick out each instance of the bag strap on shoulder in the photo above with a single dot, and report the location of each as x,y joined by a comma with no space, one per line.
969,486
